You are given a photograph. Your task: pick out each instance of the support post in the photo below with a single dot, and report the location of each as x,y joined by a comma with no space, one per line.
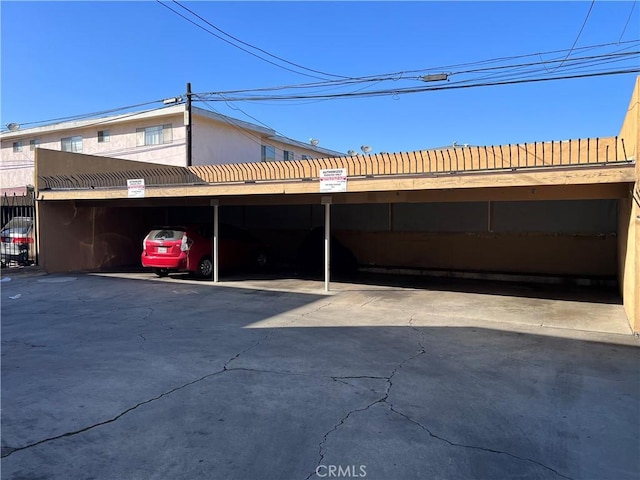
214,244
326,201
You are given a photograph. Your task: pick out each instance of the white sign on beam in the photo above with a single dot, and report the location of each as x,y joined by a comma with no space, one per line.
333,180
135,187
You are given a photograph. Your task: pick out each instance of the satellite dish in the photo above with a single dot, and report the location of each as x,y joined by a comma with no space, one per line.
352,152
365,148
13,126
314,141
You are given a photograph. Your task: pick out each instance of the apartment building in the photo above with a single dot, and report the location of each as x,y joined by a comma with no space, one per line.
154,136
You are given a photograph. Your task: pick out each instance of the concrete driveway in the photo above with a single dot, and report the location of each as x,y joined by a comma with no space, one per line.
118,378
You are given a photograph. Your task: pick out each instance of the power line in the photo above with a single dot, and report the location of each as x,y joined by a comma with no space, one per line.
237,46
254,47
89,115
514,73
579,33
633,5
243,131
388,92
394,75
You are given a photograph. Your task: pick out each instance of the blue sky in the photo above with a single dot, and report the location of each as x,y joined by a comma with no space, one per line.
62,59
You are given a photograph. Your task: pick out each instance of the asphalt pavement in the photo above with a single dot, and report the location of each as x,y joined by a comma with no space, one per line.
131,377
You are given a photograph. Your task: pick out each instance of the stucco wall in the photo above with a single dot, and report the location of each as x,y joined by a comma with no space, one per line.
629,258
75,238
570,255
51,162
575,238
217,142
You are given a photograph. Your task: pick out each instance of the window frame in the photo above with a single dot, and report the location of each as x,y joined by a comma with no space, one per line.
17,146
33,144
104,136
265,150
145,135
73,143
288,155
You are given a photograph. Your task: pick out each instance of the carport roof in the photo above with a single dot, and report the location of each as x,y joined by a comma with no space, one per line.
580,161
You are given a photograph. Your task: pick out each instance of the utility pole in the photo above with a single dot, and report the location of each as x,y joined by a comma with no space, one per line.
187,123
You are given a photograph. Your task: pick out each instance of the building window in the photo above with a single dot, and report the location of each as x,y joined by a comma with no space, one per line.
33,144
306,157
72,144
268,153
17,146
288,156
104,136
155,135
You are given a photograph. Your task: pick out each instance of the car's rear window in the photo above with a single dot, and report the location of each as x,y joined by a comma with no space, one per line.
15,231
166,234
21,223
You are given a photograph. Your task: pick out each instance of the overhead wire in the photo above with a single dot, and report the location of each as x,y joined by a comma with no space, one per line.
430,88
570,65
280,134
237,46
255,47
394,75
89,115
243,131
633,5
498,74
584,23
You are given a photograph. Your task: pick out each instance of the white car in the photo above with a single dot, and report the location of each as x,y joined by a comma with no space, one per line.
17,241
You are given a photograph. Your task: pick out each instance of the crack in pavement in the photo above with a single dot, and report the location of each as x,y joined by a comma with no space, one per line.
373,299
8,450
383,399
26,344
338,379
474,447
324,305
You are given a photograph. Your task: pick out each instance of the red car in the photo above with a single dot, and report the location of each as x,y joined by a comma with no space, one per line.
189,249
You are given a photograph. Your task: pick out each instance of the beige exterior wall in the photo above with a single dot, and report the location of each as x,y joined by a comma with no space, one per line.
629,248
55,162
217,143
572,255
74,237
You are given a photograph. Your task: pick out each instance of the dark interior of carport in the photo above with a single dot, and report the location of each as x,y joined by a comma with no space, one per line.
568,238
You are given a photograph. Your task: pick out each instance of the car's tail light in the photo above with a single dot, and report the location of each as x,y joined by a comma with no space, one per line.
185,245
21,240
144,243
6,239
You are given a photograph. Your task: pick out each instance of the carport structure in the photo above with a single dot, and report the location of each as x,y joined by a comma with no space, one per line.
560,208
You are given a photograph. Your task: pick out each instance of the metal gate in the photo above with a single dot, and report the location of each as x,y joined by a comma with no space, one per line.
19,233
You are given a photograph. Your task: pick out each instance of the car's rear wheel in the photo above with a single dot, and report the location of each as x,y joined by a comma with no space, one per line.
205,268
161,272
